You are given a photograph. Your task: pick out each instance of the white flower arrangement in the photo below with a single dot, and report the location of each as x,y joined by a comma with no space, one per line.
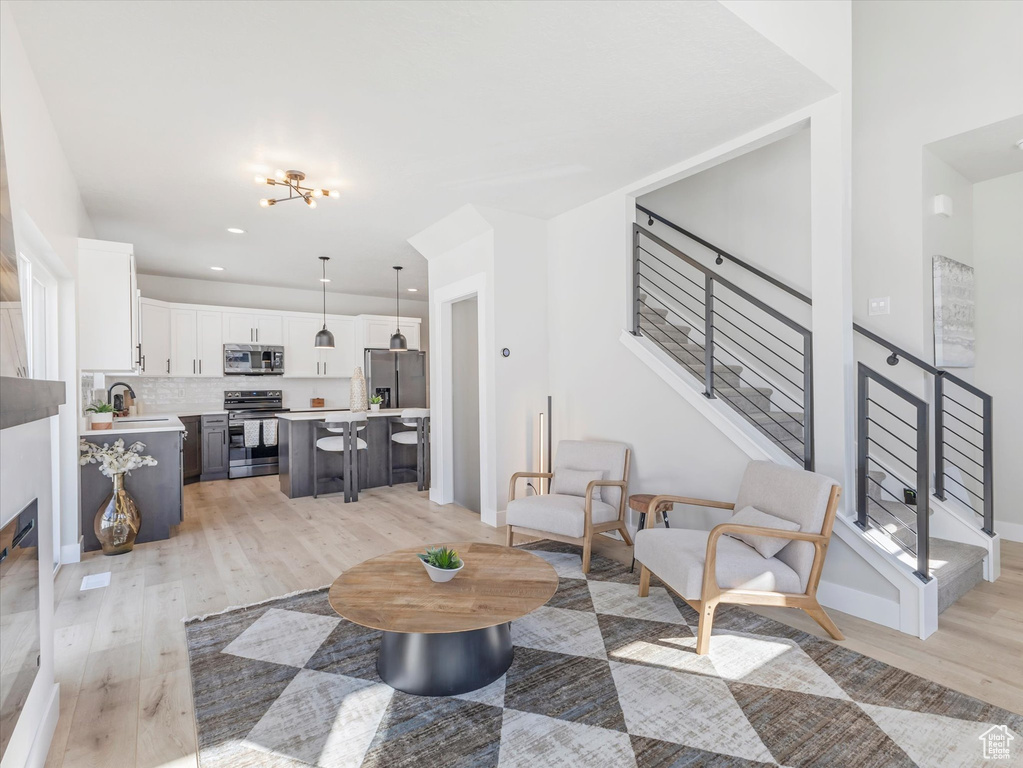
115,459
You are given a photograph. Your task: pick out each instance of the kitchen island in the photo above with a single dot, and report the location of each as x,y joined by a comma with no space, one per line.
157,491
295,441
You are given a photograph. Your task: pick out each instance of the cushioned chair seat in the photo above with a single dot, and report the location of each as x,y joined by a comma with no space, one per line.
405,438
337,444
558,514
677,556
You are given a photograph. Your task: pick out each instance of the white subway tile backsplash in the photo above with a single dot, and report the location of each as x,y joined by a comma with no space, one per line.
168,394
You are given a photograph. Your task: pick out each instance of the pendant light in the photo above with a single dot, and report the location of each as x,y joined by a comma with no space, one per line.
398,342
324,338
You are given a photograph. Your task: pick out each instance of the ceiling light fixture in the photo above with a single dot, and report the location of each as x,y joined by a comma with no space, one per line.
324,338
398,341
413,290
292,180
217,269
236,231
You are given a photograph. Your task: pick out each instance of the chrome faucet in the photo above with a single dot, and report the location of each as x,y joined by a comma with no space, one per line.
110,390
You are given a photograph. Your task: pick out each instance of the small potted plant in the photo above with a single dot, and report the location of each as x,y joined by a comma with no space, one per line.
441,563
101,415
374,402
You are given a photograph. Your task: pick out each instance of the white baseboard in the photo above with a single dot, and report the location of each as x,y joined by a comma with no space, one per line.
863,605
71,553
1009,531
44,736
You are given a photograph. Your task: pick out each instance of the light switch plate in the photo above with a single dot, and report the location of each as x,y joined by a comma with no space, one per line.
881,306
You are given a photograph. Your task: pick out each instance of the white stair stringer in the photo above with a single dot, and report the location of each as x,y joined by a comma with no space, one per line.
910,605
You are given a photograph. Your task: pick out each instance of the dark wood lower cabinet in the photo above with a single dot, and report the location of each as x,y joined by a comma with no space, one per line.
215,455
192,458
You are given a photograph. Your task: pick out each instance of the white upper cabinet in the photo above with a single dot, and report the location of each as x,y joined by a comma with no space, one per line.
184,343
108,307
303,360
155,333
253,328
210,343
376,331
196,348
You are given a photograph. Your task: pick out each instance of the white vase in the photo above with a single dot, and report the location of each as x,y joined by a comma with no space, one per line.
101,421
374,406
441,575
357,399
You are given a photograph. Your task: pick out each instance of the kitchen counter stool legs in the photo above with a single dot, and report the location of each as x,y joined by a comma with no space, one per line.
420,419
345,441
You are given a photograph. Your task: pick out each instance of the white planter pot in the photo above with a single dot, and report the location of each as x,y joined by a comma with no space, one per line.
442,574
101,421
374,406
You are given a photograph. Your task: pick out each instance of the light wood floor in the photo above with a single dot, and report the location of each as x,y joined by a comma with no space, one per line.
122,665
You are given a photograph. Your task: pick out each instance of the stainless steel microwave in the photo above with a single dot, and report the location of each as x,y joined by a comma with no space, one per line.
253,360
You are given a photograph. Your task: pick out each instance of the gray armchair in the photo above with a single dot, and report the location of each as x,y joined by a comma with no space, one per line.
770,553
588,494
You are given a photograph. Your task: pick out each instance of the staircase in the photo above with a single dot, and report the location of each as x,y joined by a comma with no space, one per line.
734,347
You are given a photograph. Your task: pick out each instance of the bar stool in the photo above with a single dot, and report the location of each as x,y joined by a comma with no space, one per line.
420,419
345,441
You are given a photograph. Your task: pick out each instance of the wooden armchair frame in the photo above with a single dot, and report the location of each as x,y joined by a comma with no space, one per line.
589,527
712,594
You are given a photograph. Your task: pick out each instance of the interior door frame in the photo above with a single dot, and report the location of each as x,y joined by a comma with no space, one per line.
442,482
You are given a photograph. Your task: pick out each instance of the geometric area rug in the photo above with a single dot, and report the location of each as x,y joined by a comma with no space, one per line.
600,678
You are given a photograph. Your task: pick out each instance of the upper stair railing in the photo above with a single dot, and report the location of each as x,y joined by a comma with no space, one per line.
959,427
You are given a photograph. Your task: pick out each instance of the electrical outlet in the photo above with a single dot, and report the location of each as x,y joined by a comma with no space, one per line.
881,306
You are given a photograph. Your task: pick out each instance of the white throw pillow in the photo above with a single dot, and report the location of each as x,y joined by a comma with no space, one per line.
573,482
767,546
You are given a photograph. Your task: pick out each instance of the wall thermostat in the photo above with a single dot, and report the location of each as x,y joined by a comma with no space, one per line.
505,352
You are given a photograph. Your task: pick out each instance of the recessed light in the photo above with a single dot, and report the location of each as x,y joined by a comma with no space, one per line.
413,290
236,231
217,269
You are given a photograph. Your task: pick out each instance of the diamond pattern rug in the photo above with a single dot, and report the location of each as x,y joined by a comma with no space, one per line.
600,677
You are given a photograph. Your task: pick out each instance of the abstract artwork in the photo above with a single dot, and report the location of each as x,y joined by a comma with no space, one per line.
953,314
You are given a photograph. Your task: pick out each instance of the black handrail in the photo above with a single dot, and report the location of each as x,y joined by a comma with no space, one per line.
865,376
656,325
897,353
726,255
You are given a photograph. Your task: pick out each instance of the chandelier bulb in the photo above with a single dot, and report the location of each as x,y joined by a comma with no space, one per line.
261,179
264,203
335,194
317,193
279,174
310,202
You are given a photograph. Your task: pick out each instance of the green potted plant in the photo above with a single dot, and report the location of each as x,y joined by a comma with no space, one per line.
441,563
374,402
101,415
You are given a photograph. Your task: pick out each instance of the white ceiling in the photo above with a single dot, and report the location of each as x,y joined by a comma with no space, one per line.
984,153
166,110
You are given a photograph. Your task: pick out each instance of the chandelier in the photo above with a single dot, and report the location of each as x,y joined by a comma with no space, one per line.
293,181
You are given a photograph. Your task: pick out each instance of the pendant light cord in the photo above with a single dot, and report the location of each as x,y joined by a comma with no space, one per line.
397,313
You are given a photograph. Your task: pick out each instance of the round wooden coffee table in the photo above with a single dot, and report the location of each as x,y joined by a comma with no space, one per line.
450,638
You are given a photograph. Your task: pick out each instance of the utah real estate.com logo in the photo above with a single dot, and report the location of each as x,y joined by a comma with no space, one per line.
995,742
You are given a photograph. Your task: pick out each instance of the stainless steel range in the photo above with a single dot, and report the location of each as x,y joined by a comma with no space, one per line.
252,431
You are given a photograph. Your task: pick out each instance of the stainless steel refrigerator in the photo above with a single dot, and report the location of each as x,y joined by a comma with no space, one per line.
398,377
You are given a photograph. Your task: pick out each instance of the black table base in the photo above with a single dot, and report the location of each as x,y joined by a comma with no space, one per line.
444,663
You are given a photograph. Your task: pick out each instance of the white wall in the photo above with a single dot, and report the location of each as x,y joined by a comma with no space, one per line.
921,72
48,218
998,260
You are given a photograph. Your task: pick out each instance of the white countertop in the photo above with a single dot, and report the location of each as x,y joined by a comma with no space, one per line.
138,424
325,414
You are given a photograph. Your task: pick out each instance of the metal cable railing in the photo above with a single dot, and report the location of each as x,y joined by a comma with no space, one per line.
878,444
741,354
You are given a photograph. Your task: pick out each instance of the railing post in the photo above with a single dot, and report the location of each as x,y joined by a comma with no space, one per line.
939,435
923,494
808,426
989,467
708,336
861,446
637,314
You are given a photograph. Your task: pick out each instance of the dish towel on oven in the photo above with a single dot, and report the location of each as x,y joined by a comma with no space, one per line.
251,433
269,431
